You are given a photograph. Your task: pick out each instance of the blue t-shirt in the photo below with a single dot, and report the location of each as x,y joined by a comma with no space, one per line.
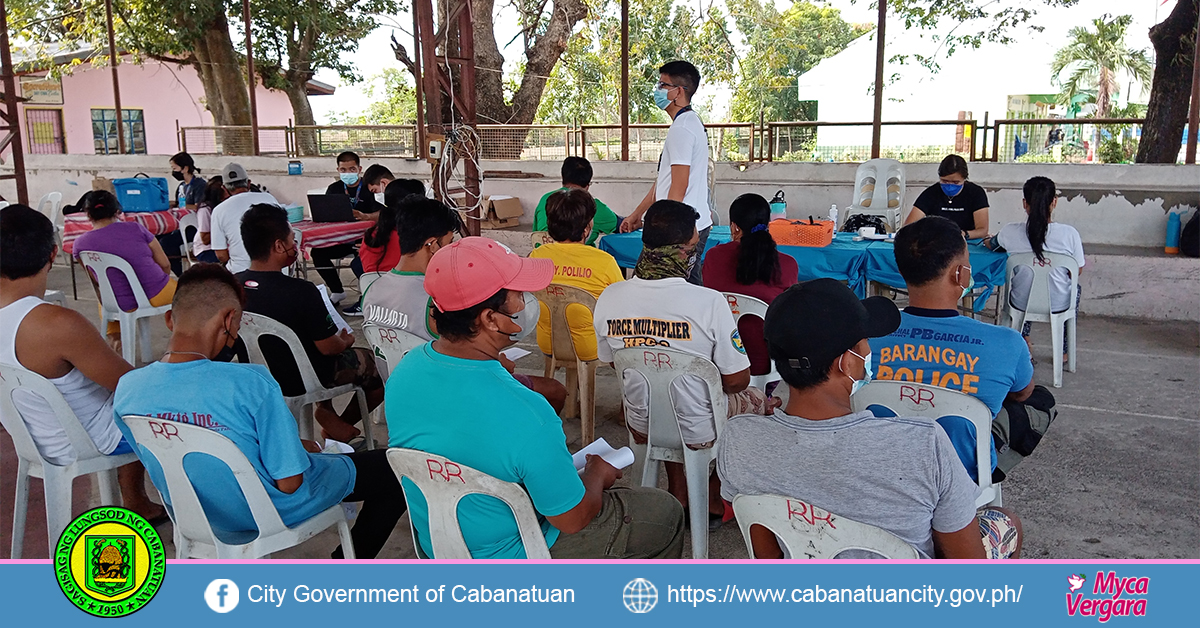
243,403
475,413
942,348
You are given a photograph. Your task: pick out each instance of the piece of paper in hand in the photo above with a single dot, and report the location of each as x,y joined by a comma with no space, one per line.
336,447
619,458
333,313
515,353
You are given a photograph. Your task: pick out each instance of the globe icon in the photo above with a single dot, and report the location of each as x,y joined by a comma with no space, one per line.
640,596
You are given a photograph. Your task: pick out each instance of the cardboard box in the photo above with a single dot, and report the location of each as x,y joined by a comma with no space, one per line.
103,183
501,212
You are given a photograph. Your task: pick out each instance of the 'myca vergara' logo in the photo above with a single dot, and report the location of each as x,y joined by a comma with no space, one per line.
1117,600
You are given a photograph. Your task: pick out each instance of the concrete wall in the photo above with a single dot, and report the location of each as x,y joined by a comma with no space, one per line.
1119,210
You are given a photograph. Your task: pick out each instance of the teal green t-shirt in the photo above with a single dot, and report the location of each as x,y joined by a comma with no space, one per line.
604,222
475,413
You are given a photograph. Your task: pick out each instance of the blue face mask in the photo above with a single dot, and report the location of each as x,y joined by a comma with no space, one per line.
349,178
970,284
859,383
661,99
952,189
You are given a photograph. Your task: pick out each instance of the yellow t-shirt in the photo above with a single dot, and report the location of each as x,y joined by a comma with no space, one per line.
583,267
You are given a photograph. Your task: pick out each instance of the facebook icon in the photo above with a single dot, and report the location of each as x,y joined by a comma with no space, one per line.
222,595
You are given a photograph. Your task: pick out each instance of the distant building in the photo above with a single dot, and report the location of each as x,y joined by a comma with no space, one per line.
76,115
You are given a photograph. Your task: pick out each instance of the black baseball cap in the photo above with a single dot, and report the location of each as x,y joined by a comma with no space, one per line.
814,322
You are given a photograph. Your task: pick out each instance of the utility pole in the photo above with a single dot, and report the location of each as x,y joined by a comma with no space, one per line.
877,122
112,62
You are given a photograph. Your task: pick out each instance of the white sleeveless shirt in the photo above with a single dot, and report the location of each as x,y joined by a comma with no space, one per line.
91,402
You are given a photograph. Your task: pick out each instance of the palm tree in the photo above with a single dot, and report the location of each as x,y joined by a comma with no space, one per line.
1095,57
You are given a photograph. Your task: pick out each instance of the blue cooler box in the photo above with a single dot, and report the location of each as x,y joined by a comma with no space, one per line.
142,193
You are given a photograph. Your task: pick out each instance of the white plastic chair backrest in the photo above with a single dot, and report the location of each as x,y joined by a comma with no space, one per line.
934,402
809,532
555,298
98,264
879,185
4,204
390,345
188,220
256,326
366,279
51,205
540,238
14,378
1039,290
444,482
745,305
170,442
661,366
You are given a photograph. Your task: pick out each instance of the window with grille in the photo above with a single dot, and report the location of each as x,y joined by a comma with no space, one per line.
104,131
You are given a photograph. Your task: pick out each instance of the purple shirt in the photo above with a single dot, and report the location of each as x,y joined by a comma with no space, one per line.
131,242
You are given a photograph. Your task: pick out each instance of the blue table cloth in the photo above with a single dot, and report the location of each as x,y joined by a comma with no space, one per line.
987,267
843,259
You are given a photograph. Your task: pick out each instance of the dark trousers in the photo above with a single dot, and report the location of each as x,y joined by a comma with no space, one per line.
208,257
323,261
698,270
376,486
170,244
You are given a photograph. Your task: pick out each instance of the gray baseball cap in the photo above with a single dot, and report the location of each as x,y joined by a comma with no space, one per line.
234,173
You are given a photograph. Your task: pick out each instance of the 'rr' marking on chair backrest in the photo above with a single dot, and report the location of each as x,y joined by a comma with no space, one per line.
809,513
733,304
165,429
444,470
917,395
555,290
657,360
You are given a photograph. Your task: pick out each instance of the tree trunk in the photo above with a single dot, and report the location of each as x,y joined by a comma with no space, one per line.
1166,115
306,139
546,50
228,79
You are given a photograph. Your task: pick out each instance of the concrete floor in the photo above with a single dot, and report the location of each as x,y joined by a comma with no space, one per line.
1117,476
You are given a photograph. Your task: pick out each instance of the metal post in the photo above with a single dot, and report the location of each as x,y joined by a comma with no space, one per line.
1194,111
10,101
624,80
112,62
466,46
253,83
877,128
420,88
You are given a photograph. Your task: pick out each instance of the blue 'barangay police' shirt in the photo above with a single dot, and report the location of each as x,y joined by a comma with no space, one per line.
942,348
243,403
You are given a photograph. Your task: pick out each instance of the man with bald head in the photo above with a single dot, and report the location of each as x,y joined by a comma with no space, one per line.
244,403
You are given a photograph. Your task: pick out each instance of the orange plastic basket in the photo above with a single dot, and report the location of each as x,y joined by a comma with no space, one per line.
815,233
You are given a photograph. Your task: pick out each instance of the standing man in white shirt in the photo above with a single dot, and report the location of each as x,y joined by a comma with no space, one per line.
226,234
683,166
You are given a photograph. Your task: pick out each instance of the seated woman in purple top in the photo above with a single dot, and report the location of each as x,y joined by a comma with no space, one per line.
131,242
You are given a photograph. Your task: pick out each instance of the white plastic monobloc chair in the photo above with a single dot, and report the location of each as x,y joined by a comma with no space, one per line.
909,399
366,279
56,480
189,221
254,328
56,297
743,305
443,483
4,204
51,205
1038,309
170,442
581,375
878,191
540,238
807,531
390,345
134,328
661,366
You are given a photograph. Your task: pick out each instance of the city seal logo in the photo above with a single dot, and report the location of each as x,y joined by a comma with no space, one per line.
109,562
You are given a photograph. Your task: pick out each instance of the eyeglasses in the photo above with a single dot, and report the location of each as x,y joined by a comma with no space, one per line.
662,85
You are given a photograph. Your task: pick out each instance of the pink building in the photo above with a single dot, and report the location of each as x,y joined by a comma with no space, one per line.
76,115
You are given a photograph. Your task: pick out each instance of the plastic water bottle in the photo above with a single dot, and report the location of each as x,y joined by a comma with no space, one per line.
1173,228
833,215
778,207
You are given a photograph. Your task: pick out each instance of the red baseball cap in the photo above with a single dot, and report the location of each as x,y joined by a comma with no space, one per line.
470,271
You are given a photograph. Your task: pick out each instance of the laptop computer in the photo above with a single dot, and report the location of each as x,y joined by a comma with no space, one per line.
330,208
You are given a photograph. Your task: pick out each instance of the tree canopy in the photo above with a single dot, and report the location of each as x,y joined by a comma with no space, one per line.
1094,59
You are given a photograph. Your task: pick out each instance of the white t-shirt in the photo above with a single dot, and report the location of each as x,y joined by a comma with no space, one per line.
676,314
1060,238
687,145
227,227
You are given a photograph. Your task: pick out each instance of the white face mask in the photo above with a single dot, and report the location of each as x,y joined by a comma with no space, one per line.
379,197
859,383
526,318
